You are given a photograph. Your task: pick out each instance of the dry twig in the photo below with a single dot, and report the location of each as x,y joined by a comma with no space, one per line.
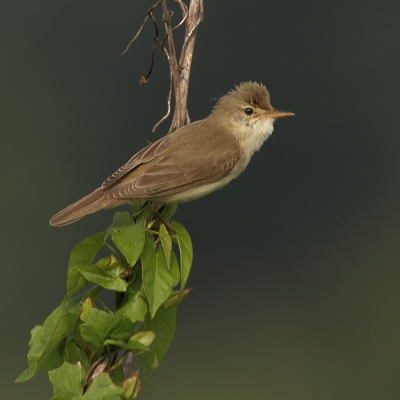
179,71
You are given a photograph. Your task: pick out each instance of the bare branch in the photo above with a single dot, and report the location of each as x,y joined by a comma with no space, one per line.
195,15
135,37
101,366
141,28
179,72
144,79
168,28
192,31
184,10
168,104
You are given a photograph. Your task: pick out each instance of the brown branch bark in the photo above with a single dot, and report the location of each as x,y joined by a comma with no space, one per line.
181,70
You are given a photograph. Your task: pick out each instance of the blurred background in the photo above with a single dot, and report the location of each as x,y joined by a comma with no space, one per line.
296,270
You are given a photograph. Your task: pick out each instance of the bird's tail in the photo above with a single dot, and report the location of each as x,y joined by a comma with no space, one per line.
91,203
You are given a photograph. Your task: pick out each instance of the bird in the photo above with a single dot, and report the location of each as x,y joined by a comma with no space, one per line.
190,162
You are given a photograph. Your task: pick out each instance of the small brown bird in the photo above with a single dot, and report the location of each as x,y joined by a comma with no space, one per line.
191,162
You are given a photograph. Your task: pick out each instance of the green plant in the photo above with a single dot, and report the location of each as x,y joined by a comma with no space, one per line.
84,347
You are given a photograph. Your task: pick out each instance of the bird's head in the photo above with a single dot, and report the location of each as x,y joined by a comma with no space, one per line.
247,112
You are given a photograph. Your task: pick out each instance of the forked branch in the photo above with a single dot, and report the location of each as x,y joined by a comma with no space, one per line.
179,70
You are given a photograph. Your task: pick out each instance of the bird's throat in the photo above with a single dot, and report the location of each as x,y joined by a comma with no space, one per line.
254,135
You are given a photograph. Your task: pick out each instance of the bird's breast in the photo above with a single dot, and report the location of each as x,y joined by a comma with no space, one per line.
197,192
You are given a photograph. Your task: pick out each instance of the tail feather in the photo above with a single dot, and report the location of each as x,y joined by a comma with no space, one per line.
91,203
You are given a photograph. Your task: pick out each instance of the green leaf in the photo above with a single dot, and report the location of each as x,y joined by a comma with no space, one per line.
133,306
185,249
168,211
29,373
157,280
136,205
55,358
166,243
117,375
131,386
87,305
128,236
45,340
93,293
102,388
34,332
174,270
101,325
108,278
66,382
144,337
176,298
164,325
73,353
122,219
56,327
135,347
81,255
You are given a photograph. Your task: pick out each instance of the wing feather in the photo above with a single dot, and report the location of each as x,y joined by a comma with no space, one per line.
145,155
172,165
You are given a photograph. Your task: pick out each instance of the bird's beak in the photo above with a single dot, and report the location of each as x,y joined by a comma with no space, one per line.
276,114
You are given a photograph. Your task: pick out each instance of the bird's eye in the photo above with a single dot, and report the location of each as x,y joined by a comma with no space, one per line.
248,111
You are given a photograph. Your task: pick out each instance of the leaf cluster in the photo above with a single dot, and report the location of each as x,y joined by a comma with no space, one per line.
84,347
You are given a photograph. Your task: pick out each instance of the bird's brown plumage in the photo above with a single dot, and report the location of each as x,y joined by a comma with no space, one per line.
153,173
190,162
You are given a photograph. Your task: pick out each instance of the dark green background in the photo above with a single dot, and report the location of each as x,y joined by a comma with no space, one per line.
296,269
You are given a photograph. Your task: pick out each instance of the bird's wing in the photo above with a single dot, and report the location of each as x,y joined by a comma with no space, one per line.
147,154
173,166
